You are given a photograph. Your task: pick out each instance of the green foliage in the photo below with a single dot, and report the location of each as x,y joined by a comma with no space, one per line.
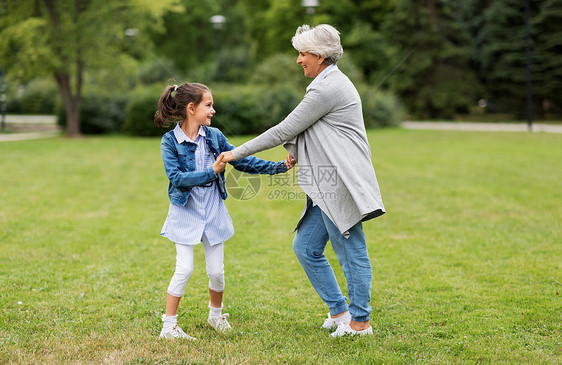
66,38
380,108
20,45
436,54
99,113
140,112
263,102
279,69
39,96
501,42
248,109
547,48
200,51
439,57
503,62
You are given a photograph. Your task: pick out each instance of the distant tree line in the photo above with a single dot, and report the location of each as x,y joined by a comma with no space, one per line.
440,58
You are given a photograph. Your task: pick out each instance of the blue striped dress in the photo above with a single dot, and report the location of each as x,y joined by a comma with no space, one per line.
205,217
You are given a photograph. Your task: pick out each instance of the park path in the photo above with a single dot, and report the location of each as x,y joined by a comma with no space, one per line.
25,127
484,127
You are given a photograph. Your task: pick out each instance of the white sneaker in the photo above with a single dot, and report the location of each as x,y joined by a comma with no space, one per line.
219,323
331,322
176,332
344,329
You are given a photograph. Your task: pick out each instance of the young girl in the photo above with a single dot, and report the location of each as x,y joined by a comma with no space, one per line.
192,159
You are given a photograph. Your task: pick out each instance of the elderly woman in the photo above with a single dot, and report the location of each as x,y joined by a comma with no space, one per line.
326,135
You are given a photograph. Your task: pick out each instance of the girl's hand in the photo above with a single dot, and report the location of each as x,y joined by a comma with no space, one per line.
290,162
219,164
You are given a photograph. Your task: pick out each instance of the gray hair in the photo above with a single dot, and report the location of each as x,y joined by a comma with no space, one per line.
322,40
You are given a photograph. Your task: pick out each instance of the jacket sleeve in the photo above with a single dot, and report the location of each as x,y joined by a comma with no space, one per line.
316,103
251,164
182,179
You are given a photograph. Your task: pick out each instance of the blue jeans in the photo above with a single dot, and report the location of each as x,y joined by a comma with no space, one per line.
309,244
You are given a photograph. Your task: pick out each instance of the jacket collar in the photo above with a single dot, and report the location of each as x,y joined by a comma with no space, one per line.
182,137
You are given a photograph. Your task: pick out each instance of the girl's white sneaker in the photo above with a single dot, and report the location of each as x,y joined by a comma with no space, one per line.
219,323
176,332
344,329
331,322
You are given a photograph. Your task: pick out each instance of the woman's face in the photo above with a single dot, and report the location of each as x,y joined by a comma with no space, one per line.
311,64
204,111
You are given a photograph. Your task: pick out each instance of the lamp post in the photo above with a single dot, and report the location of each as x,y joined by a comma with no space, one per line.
310,6
528,68
3,12
131,32
3,98
217,21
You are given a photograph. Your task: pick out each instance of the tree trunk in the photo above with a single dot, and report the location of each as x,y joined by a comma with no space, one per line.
72,104
73,119
432,9
72,97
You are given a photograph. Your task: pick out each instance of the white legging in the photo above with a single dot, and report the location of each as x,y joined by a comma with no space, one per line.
214,257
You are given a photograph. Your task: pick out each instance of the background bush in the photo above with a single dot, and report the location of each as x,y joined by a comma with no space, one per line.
140,112
39,96
380,108
100,113
252,109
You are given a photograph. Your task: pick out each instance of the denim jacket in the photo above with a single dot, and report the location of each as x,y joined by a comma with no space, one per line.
179,163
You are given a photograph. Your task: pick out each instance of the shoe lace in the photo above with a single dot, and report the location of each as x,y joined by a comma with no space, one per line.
177,329
342,328
222,322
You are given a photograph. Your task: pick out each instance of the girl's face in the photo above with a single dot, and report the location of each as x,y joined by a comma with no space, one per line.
311,64
203,112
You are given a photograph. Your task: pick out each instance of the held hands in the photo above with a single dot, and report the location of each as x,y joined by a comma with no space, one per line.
227,156
290,162
219,164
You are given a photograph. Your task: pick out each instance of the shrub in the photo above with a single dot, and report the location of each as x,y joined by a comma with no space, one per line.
99,113
39,96
251,109
280,69
380,108
140,112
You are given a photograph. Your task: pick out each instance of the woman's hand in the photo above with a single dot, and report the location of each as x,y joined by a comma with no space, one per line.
290,162
219,164
227,156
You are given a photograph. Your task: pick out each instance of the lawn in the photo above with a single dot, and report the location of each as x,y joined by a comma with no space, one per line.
467,261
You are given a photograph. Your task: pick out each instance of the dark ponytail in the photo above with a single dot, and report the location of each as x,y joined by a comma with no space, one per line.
175,99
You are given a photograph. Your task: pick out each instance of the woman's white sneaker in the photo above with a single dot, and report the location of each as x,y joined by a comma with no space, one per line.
219,323
176,332
331,322
344,329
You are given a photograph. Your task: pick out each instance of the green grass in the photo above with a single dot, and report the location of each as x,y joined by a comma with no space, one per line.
467,261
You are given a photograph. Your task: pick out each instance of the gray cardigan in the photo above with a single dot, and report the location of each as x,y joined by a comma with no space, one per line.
326,135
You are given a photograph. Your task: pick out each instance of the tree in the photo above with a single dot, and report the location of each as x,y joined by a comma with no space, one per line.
65,38
435,81
501,49
499,34
547,57
200,51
